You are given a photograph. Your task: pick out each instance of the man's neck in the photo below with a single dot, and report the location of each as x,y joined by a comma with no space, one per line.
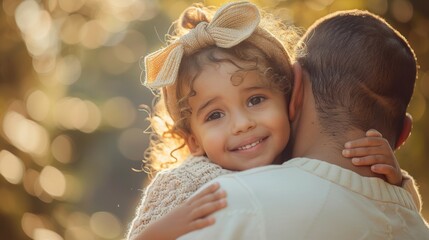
328,151
310,140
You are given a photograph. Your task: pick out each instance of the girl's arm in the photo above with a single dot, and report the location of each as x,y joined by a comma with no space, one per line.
169,189
374,150
165,192
192,215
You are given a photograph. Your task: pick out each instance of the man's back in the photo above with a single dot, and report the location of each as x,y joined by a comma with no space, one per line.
311,199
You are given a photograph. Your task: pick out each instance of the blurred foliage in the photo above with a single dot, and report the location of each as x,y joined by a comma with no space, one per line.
70,130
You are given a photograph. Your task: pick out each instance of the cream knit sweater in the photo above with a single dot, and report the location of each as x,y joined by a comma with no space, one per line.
170,188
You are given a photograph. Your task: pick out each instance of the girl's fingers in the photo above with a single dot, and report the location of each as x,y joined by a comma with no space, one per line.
369,160
366,142
383,169
392,176
208,209
207,190
373,133
209,197
363,151
201,223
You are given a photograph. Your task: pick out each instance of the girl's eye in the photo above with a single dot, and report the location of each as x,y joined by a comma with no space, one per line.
255,100
214,116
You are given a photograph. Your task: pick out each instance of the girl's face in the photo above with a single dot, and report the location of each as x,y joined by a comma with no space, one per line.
238,126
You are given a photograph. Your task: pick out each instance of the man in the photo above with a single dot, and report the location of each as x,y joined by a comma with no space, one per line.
354,73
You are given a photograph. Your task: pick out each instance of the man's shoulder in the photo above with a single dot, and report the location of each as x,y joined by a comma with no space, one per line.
286,169
291,176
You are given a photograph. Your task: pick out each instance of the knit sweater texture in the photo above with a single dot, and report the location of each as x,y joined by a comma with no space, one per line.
170,188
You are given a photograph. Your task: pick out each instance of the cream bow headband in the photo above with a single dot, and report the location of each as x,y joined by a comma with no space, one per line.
231,24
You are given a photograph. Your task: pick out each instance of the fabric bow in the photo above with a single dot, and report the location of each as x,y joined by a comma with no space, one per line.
231,24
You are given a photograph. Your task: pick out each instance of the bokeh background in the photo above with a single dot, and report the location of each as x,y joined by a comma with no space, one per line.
71,132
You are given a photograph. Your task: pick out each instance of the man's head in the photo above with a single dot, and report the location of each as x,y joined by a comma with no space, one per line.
362,73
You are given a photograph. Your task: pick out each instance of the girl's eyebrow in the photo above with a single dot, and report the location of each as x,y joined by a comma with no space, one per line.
259,87
205,105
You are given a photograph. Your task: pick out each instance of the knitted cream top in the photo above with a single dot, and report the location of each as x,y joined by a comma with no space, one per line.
170,188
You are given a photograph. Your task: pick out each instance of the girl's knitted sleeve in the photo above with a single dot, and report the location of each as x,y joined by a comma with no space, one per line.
164,193
170,188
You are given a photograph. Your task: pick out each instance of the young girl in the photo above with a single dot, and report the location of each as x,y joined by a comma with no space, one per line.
225,84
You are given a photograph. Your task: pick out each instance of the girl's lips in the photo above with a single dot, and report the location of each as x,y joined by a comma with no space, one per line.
249,145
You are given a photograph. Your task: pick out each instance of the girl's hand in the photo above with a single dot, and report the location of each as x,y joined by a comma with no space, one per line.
192,215
374,150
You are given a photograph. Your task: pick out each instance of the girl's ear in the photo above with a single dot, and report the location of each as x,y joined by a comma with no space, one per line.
194,146
297,92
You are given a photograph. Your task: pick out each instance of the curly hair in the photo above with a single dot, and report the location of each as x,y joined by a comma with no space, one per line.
167,147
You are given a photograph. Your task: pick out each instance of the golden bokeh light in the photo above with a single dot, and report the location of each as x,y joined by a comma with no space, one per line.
31,177
31,222
62,148
119,112
105,225
71,26
52,181
378,6
44,63
77,227
36,25
92,34
70,6
38,105
94,118
318,5
75,113
67,70
127,10
9,6
402,10
26,134
45,234
11,167
78,233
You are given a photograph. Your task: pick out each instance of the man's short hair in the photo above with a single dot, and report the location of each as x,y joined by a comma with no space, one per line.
362,72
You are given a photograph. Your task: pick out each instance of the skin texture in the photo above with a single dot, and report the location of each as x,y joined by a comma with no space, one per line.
238,126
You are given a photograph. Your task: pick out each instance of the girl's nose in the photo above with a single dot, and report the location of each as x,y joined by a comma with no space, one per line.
242,122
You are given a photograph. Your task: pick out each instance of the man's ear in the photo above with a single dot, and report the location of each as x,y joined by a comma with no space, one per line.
194,147
406,130
297,92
